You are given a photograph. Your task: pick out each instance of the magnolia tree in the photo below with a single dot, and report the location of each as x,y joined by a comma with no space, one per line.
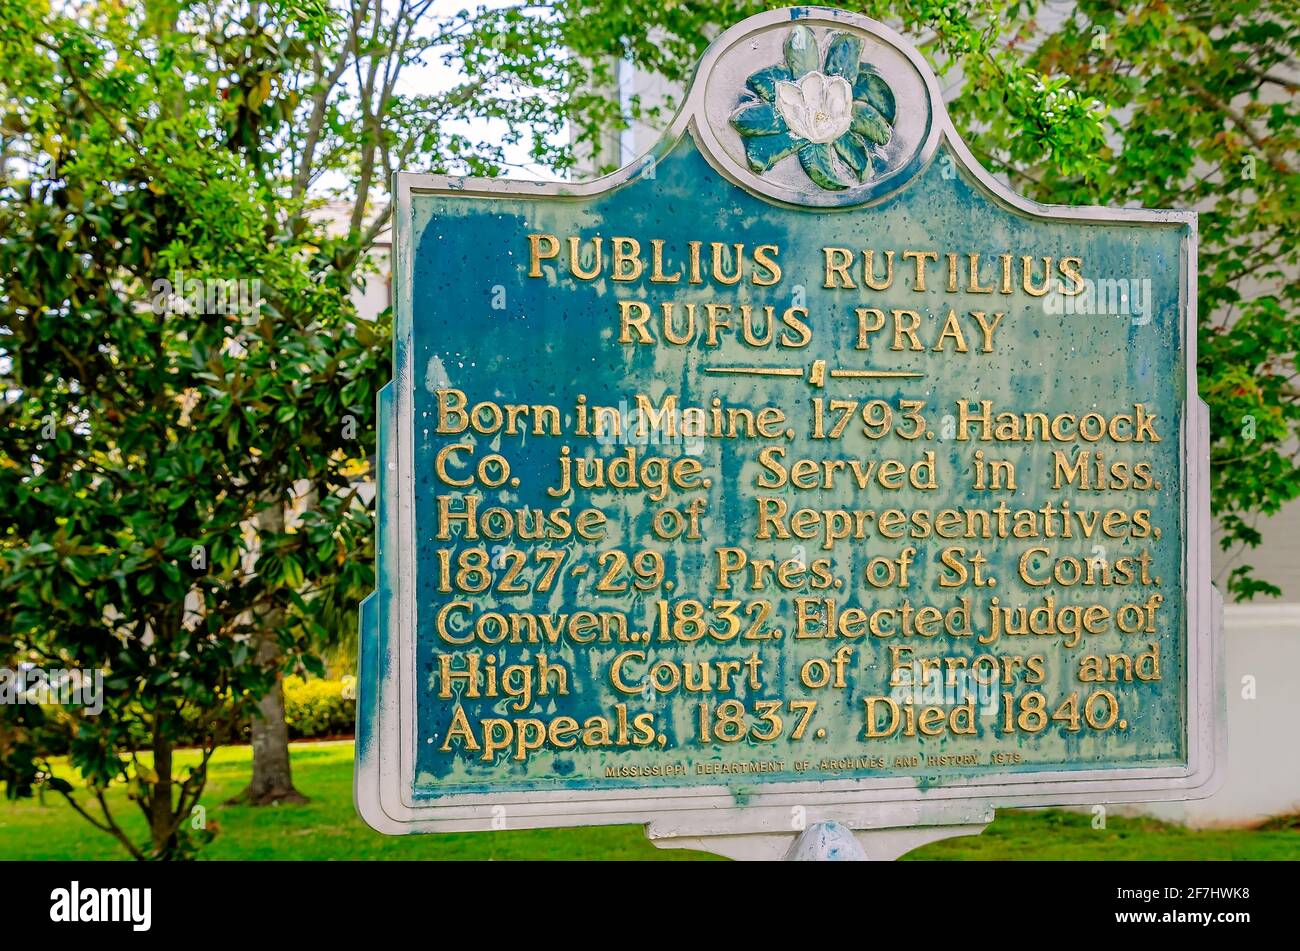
148,426
182,361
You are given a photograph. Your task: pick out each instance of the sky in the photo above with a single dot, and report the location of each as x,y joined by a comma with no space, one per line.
436,74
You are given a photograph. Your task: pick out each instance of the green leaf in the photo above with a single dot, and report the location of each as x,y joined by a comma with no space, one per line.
292,572
853,150
815,157
81,570
871,88
843,55
764,151
269,568
364,334
763,82
801,53
870,124
757,118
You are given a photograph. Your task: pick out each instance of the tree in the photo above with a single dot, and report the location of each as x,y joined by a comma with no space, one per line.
148,422
149,448
1167,103
1201,112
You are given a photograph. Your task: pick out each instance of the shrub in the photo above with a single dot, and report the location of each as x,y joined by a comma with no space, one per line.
312,707
317,707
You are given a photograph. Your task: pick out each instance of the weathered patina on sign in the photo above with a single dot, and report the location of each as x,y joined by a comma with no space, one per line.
798,465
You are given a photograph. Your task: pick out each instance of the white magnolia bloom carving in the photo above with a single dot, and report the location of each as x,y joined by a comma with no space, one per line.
818,108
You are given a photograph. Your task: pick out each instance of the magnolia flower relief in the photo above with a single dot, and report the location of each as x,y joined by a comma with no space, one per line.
834,112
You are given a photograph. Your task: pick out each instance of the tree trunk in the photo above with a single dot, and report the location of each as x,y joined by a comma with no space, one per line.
272,780
162,820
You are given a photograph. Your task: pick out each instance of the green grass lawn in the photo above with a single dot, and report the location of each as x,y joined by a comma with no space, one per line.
328,828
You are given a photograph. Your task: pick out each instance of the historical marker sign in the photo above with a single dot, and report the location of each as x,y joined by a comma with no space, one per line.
798,469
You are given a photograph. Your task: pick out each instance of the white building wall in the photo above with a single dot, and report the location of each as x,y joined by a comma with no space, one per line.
1263,777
